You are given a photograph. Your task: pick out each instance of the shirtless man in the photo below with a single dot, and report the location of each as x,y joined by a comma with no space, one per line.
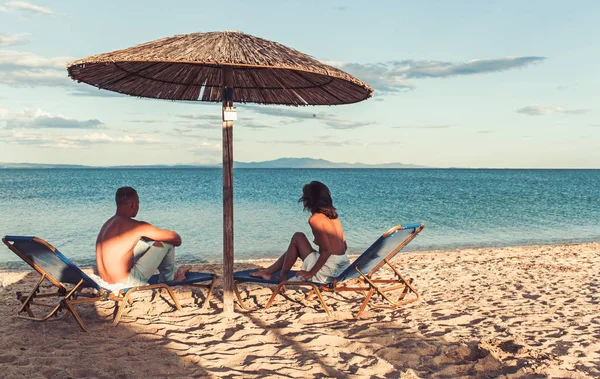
122,253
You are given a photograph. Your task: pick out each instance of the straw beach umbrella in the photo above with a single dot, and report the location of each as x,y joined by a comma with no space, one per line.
228,67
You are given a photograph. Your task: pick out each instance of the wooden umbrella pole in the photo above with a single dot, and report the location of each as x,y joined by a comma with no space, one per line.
227,193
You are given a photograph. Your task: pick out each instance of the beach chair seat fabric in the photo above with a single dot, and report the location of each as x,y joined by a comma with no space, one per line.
56,268
358,276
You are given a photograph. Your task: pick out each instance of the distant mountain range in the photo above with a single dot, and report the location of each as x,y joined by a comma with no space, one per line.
277,163
317,163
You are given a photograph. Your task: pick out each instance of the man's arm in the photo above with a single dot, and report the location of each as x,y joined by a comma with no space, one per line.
150,231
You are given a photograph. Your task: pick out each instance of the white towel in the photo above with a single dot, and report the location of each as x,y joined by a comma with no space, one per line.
114,288
333,267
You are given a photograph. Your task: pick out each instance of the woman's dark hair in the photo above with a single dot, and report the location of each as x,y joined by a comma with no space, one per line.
317,199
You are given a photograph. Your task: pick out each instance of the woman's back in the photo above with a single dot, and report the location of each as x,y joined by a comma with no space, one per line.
328,233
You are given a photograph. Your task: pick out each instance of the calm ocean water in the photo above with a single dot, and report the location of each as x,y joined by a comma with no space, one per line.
461,208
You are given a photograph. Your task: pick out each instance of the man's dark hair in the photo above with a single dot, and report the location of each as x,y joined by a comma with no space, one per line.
317,199
124,194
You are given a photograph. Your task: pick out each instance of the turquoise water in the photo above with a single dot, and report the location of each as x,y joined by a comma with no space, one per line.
461,208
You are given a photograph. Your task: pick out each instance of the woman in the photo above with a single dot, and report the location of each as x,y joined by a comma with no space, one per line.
319,266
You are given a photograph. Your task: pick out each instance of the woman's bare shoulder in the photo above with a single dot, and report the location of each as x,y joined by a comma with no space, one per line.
319,219
316,219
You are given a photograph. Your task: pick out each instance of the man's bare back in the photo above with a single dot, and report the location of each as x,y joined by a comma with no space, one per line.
114,248
120,234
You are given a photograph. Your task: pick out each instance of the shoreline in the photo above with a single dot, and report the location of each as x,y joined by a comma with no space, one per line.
19,265
514,311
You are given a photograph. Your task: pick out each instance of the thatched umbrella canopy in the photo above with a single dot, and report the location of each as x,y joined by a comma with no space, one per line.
208,67
190,67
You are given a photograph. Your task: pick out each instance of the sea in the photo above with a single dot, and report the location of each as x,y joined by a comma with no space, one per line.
461,208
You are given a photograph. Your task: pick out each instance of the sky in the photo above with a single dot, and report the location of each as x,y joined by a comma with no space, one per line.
509,84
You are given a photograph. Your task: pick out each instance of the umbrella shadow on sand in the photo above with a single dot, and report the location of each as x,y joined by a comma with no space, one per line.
59,349
286,340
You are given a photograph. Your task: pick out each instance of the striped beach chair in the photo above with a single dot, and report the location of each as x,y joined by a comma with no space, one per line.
74,287
358,277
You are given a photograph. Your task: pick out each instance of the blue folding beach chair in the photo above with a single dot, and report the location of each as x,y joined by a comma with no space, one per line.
59,270
358,277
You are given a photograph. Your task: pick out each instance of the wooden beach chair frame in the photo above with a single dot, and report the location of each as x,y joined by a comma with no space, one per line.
86,290
353,279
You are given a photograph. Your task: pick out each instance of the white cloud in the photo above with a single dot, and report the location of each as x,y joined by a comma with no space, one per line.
540,110
205,149
216,117
18,137
441,126
207,125
147,121
84,90
212,117
24,69
42,122
45,140
328,119
14,39
12,60
437,69
338,123
256,125
390,77
191,134
28,7
383,77
36,78
95,138
329,141
285,112
39,119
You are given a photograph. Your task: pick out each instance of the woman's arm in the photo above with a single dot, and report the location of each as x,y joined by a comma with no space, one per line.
322,240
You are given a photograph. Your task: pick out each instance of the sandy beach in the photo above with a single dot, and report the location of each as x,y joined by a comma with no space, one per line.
496,312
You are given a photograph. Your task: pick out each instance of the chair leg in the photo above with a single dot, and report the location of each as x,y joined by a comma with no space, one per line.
241,302
277,289
55,309
33,318
29,299
76,316
400,301
209,293
408,283
124,303
321,300
310,294
172,294
28,310
70,305
116,309
364,304
407,289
